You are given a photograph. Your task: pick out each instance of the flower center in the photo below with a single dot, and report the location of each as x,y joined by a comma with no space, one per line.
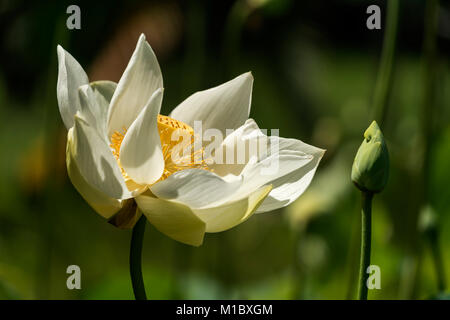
177,143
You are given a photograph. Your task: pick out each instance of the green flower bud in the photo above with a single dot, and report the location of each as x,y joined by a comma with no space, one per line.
370,169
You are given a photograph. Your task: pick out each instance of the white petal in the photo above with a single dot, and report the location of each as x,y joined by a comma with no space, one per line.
70,77
173,219
141,79
281,161
224,107
93,110
104,90
96,162
289,168
230,214
140,153
248,133
288,188
100,202
196,188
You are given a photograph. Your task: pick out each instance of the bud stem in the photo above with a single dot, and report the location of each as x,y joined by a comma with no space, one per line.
137,238
366,234
384,78
438,261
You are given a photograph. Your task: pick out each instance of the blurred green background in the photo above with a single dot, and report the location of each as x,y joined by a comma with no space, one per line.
315,66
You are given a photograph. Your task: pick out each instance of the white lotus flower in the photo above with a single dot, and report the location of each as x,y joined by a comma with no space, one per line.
118,146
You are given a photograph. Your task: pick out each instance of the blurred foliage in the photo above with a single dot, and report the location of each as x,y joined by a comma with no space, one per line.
315,65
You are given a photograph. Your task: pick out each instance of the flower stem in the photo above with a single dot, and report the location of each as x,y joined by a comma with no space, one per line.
428,126
384,77
366,234
137,238
438,261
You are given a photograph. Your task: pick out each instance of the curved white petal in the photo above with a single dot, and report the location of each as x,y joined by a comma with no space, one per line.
96,162
141,79
70,77
173,219
223,107
286,164
243,140
100,202
289,170
102,93
288,188
196,188
284,159
104,90
140,152
230,214
92,110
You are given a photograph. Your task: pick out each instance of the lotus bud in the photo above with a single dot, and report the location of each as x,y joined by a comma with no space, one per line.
370,169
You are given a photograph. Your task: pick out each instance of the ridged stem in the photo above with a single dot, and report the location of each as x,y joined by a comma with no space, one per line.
366,235
137,280
384,77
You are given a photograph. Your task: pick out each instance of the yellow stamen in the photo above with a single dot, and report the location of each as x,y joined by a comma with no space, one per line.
189,158
116,142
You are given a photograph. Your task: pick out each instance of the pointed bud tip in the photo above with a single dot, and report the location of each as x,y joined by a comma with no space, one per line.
373,131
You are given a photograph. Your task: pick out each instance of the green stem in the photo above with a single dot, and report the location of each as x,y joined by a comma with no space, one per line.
366,234
427,116
429,85
299,276
384,77
137,238
352,259
438,261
